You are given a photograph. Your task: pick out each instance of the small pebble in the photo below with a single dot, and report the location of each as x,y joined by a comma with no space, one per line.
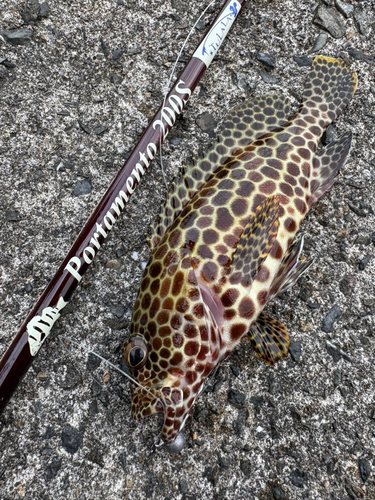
84,127
332,316
363,263
207,123
295,349
12,215
363,20
360,56
319,43
364,469
267,77
246,467
236,398
116,54
113,264
344,8
20,36
134,50
178,444
71,439
82,187
303,61
267,60
298,478
330,20
329,135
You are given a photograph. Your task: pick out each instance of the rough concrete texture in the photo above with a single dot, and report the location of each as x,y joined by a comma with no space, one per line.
74,100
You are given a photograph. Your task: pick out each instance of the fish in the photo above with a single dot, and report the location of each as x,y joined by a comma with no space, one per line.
224,244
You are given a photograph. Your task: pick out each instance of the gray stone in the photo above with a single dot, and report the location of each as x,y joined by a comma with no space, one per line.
347,284
360,56
329,135
298,478
363,20
135,49
236,398
20,36
207,123
246,467
44,10
363,262
319,43
344,8
364,469
303,61
30,12
332,316
84,127
116,54
295,349
82,187
12,215
53,469
113,264
267,77
267,60
71,439
330,20
178,444
333,351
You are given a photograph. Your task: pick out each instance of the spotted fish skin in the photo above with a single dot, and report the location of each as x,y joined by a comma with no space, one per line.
225,243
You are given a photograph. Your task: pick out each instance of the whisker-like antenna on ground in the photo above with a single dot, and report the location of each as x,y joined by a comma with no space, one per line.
106,361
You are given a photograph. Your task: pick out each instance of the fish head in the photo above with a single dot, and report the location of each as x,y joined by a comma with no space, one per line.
172,348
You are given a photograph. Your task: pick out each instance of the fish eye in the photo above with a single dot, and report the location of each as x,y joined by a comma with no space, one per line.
135,353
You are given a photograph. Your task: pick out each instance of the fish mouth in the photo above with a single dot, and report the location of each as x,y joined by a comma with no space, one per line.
168,400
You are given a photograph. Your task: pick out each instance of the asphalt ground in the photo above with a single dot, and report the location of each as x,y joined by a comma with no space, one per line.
73,101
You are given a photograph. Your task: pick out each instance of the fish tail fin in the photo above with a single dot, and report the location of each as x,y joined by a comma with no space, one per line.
329,87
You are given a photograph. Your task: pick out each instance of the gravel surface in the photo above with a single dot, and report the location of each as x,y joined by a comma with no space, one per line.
78,83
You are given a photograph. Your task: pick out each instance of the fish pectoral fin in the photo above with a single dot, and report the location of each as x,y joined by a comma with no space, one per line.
256,241
269,338
291,268
243,125
327,165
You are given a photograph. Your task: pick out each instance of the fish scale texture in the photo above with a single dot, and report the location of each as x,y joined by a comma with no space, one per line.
72,108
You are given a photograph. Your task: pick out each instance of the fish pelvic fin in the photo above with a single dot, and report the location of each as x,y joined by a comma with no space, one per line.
291,268
255,243
329,87
244,124
327,165
269,338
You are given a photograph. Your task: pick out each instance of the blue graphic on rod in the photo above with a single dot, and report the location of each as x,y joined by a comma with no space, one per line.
214,38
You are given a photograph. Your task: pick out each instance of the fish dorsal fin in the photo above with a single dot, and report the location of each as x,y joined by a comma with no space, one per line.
327,165
256,242
291,268
244,124
269,338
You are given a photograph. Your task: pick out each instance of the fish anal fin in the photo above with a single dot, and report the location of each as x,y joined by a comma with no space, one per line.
256,241
327,165
269,338
291,268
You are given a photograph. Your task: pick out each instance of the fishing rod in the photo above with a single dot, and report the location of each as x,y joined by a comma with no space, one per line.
37,326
